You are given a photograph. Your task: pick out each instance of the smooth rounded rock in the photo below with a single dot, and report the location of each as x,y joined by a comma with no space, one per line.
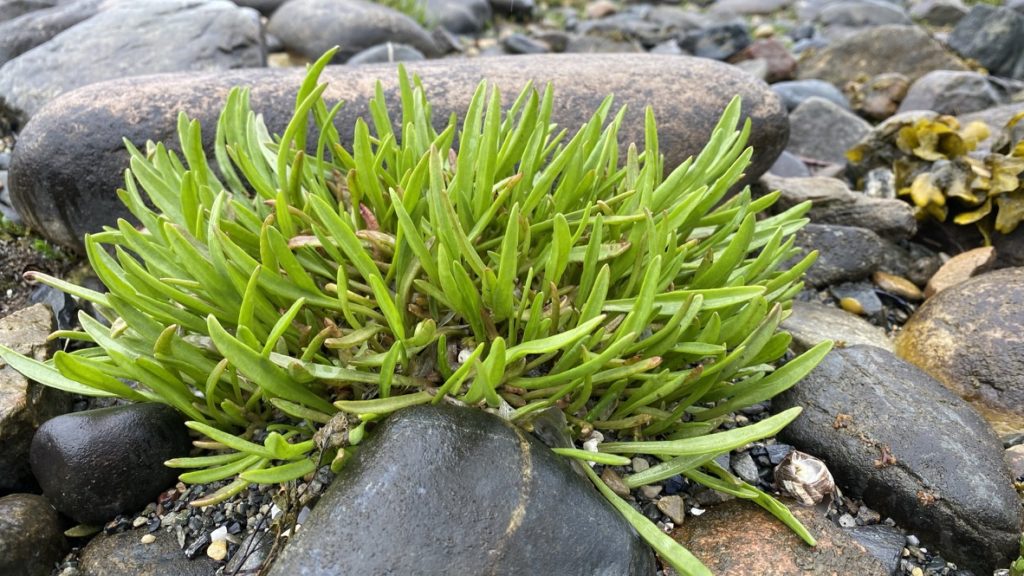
796,92
845,253
912,450
96,464
959,269
740,538
31,538
441,490
124,554
952,93
64,200
970,337
129,38
811,323
459,16
24,33
822,130
352,25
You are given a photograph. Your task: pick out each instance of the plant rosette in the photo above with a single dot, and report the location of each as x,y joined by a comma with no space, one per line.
291,292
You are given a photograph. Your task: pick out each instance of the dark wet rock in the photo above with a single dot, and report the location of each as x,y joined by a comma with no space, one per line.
781,65
523,44
124,555
459,16
938,12
31,538
970,337
24,404
883,542
30,30
909,260
739,537
952,93
252,553
789,166
352,25
386,52
265,7
518,9
96,464
822,130
845,253
834,203
718,41
533,529
880,97
811,323
872,417
66,199
908,50
130,38
796,92
994,36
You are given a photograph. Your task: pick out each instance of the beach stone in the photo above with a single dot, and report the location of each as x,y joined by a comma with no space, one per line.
24,405
970,337
952,93
880,97
352,25
823,130
938,12
31,538
459,16
386,52
517,9
841,17
796,92
523,44
124,555
717,41
265,7
626,26
11,9
883,542
780,63
129,38
845,253
959,269
871,417
994,36
67,199
739,537
425,483
96,464
25,32
908,50
832,202
750,7
811,323
591,44
789,166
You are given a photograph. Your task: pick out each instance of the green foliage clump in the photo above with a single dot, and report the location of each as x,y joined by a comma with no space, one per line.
415,9
301,291
934,169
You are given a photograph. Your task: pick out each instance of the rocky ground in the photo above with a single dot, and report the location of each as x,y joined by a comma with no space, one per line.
918,413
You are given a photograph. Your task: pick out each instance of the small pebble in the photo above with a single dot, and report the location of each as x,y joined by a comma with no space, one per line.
913,540
139,522
917,571
897,285
614,481
147,539
217,550
640,464
851,305
673,507
847,521
650,491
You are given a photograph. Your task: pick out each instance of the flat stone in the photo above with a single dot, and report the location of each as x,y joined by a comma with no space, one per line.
832,202
811,323
31,538
873,418
129,38
424,487
883,542
352,25
823,130
125,555
960,268
96,464
64,200
908,50
970,337
24,405
845,253
740,538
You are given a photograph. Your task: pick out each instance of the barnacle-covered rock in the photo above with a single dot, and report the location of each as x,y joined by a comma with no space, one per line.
805,478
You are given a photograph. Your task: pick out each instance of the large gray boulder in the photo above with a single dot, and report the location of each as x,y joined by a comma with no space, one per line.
441,490
66,199
27,31
912,450
128,38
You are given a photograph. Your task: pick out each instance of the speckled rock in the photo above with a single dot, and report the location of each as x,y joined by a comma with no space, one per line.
970,337
811,323
994,36
66,199
352,25
129,38
880,97
96,464
125,555
824,131
740,538
845,253
909,50
834,203
24,405
873,419
31,538
419,497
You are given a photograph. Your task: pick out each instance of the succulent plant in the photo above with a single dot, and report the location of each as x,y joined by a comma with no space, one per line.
300,291
931,158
